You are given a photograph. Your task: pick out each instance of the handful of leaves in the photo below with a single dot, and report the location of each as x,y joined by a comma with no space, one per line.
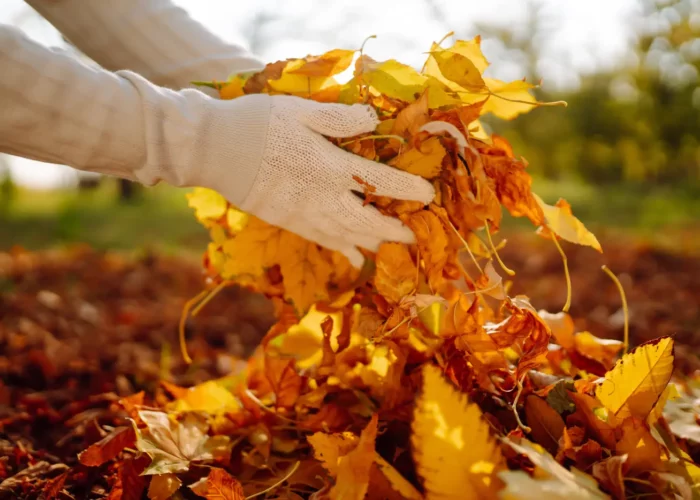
417,377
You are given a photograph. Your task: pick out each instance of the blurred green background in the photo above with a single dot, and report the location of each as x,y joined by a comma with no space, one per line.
625,152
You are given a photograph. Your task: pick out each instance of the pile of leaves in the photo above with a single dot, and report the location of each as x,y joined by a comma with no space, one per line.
418,376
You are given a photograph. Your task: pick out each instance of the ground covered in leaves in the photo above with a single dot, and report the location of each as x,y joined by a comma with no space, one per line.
81,329
439,370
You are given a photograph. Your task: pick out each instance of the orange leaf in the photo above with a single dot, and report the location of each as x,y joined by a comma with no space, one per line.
643,452
329,64
397,275
222,486
108,447
285,381
411,118
54,487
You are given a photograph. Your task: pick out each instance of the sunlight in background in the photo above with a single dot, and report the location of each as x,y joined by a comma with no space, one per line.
573,38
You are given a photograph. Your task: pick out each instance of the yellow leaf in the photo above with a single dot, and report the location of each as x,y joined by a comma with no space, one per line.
209,397
459,69
638,379
259,246
561,221
236,219
471,49
425,160
391,78
508,100
553,481
329,448
304,270
252,250
163,486
207,203
352,478
304,340
453,450
329,64
300,84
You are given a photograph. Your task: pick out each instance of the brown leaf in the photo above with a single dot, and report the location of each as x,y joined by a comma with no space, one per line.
108,447
222,486
130,483
610,473
546,424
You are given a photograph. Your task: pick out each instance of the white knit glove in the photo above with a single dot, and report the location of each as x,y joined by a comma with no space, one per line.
303,182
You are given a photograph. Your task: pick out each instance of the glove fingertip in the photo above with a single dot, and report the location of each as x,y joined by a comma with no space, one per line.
355,257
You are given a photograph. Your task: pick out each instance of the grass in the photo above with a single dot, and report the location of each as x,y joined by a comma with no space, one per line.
161,220
158,219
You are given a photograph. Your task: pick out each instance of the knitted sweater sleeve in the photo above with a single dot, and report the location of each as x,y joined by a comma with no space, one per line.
57,109
153,38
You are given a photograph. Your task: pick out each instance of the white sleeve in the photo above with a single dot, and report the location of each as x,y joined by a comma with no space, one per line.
154,38
57,109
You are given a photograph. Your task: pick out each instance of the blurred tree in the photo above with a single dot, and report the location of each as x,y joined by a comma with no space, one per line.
639,123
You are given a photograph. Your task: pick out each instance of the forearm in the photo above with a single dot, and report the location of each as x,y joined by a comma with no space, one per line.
56,109
153,38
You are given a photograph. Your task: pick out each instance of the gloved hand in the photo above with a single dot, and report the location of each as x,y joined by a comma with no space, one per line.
303,182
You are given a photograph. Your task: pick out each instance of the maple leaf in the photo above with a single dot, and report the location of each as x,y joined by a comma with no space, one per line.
173,445
551,481
454,452
560,220
396,275
260,245
109,447
636,382
163,486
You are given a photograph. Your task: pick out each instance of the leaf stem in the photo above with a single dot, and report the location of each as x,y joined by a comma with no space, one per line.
277,484
524,427
625,309
466,246
209,297
183,319
507,270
